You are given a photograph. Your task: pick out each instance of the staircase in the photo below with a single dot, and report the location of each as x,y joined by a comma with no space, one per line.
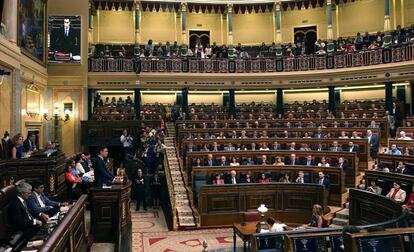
183,205
341,217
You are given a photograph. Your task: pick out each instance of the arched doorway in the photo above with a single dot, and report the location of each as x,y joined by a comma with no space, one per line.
307,34
204,37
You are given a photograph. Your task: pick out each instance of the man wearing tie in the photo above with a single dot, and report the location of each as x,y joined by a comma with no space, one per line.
301,178
209,161
323,180
102,175
19,213
66,39
30,143
319,133
309,161
373,142
233,180
292,160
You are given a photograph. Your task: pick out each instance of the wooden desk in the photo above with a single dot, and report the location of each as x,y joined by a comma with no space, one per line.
367,208
350,157
111,215
245,231
336,176
50,171
223,205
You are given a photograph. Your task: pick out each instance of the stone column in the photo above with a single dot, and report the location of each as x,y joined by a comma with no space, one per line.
232,103
137,22
230,23
331,103
90,24
388,96
329,34
278,17
11,18
137,103
279,101
387,21
184,22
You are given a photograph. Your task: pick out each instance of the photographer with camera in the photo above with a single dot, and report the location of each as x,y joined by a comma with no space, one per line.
126,141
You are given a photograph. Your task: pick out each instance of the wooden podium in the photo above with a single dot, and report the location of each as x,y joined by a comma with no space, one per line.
111,215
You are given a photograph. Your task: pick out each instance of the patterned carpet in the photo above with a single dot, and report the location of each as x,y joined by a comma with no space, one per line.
150,234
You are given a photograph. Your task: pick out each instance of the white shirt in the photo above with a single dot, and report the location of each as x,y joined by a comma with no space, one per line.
278,227
79,168
39,199
233,181
126,141
405,138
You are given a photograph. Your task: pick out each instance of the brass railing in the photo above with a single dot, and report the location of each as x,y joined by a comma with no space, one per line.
403,52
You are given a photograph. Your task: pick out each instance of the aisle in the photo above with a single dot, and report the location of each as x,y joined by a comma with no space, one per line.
150,234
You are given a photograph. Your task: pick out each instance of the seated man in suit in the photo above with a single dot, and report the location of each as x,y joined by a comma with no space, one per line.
223,161
341,164
210,161
335,146
301,178
292,160
30,143
233,178
263,160
309,161
352,147
39,204
323,180
19,213
102,175
248,179
396,193
402,169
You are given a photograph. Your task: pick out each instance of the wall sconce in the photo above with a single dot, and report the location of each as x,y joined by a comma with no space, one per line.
56,114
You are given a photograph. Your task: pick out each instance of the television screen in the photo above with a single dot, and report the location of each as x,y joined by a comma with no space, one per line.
64,41
388,243
310,244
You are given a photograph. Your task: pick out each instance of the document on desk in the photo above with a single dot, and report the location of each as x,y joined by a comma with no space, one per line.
106,187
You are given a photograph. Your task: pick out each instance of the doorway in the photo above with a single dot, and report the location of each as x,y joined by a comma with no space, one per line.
307,34
203,36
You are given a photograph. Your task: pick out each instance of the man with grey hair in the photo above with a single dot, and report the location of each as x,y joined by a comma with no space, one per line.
19,213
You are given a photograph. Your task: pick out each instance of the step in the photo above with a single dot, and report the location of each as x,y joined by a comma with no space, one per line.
340,222
343,214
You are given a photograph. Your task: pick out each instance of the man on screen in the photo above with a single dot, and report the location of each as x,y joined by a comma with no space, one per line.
67,39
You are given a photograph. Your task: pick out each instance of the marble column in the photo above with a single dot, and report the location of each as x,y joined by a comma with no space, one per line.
387,21
388,96
184,22
11,18
332,102
329,34
230,23
278,18
90,24
137,22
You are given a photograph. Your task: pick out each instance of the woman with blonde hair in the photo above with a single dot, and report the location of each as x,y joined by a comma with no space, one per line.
317,220
17,150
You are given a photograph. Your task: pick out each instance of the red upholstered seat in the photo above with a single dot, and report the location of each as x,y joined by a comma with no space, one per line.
251,216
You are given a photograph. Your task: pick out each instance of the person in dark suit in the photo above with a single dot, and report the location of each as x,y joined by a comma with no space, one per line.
309,161
102,175
66,39
323,180
374,143
19,213
223,161
248,179
341,164
140,190
210,161
233,180
155,184
39,204
292,160
352,147
319,133
402,169
30,143
301,179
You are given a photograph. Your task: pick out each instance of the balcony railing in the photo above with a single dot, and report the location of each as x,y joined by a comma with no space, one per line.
404,52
